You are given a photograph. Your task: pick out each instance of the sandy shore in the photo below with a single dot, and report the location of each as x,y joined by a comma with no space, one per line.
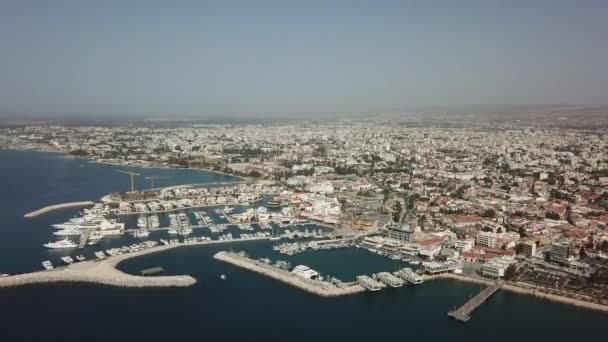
57,206
313,286
528,289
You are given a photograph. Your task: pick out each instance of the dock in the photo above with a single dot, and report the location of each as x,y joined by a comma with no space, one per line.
463,313
151,271
56,207
85,237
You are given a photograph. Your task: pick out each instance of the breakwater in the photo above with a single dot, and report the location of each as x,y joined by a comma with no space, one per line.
56,207
319,288
105,272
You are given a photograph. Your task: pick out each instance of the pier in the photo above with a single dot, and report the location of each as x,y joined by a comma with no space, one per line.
320,288
463,313
56,207
84,237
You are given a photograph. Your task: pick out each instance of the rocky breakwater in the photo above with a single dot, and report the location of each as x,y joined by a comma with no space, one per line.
323,289
99,272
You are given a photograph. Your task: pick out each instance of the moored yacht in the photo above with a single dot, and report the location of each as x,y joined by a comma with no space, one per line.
61,244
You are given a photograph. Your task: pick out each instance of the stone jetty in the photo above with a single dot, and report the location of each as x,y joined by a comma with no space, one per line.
99,272
105,272
56,207
319,288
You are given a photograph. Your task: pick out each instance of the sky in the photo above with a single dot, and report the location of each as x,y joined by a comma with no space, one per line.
279,58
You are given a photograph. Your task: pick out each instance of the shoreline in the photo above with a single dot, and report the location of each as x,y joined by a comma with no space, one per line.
65,155
524,289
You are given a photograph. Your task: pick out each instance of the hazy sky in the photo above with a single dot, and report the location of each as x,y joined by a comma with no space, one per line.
200,58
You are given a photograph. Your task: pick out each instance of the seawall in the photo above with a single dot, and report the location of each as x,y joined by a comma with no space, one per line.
105,272
313,286
56,207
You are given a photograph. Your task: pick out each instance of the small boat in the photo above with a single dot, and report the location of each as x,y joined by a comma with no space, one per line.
223,277
47,265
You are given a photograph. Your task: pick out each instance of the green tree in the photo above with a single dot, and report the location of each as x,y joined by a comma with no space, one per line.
582,253
397,208
510,272
522,232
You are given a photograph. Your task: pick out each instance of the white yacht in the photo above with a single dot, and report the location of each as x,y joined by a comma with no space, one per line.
185,231
142,222
61,244
68,232
141,233
94,239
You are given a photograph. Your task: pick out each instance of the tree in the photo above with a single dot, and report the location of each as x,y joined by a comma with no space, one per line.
510,272
397,211
255,174
551,215
522,232
490,213
79,153
582,253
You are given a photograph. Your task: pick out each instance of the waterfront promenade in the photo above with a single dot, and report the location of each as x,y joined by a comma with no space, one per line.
527,289
319,288
56,207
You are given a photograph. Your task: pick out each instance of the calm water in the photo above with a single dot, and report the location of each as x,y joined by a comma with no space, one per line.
245,305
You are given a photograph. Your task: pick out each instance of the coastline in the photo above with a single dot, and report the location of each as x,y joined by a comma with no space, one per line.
65,155
525,289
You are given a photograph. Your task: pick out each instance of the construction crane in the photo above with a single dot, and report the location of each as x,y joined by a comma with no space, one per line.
132,174
152,178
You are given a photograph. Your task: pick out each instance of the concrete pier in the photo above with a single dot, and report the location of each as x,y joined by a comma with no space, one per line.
56,207
464,312
319,288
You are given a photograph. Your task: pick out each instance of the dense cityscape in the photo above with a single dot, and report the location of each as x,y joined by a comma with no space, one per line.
524,204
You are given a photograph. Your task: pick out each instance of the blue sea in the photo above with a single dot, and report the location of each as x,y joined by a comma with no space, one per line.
245,306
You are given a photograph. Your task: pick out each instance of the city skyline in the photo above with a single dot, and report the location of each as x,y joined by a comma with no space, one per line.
237,59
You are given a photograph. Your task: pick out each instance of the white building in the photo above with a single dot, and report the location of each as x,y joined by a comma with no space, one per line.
464,245
497,266
486,239
305,272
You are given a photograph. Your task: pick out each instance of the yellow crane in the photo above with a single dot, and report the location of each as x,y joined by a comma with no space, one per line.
152,178
132,174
